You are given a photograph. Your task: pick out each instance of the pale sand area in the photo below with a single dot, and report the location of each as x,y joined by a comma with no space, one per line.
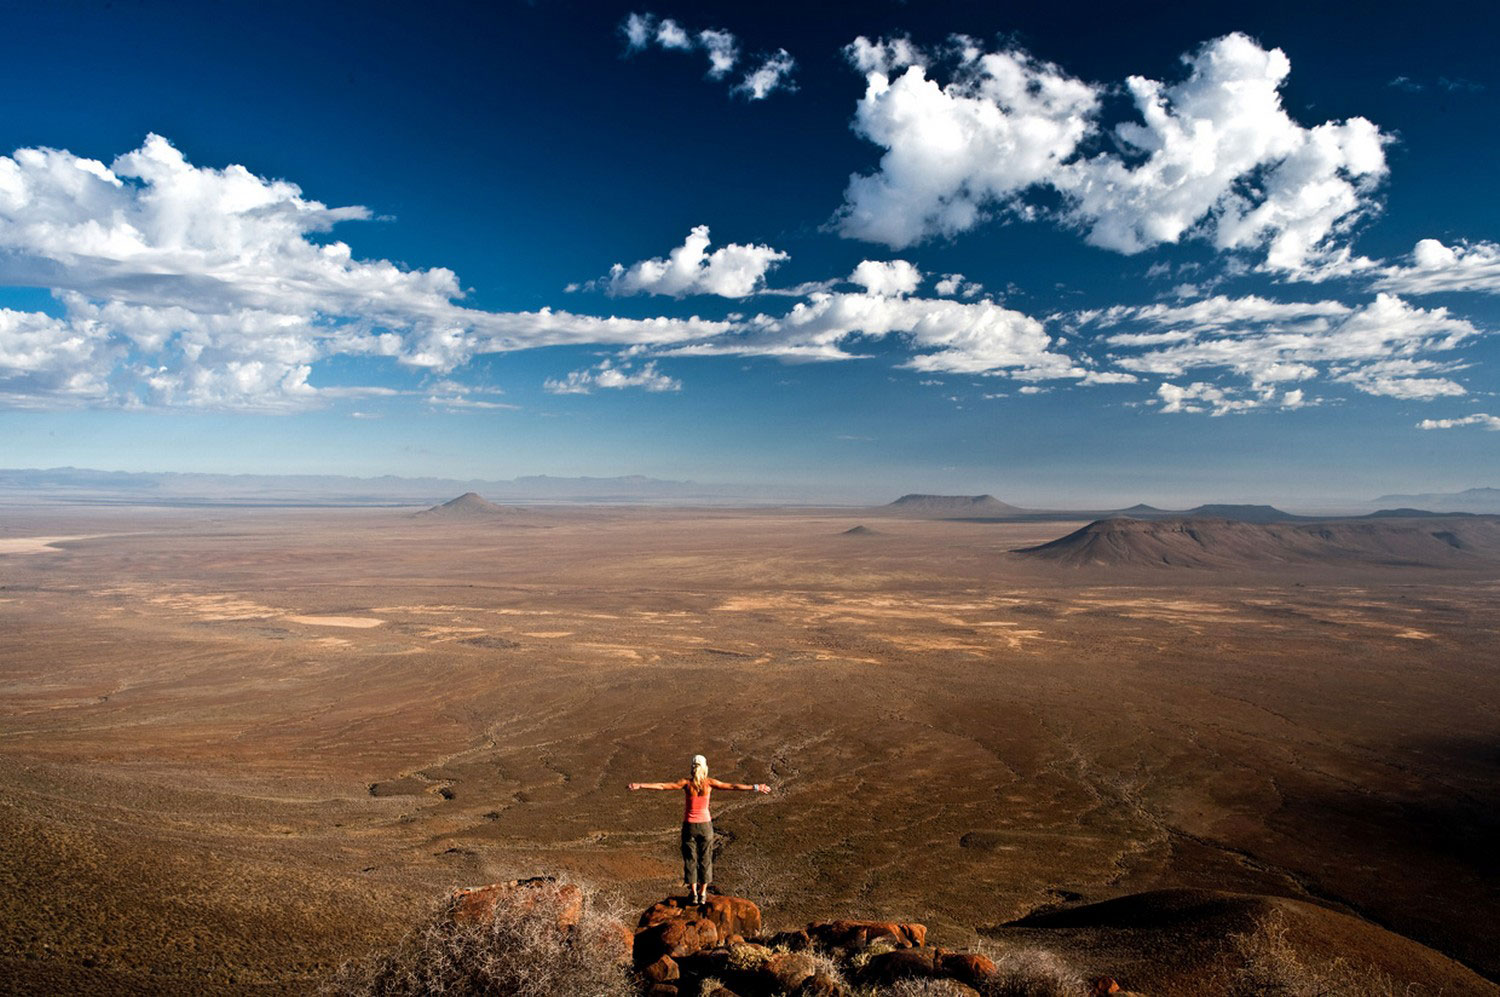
354,622
40,545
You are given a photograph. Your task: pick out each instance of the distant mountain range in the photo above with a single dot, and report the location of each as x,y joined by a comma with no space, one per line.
84,486
1481,500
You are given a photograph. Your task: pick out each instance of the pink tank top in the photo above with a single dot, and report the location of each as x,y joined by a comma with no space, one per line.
695,808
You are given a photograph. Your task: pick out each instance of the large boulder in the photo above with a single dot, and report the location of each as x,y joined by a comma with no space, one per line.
966,967
903,964
847,934
663,970
786,972
677,927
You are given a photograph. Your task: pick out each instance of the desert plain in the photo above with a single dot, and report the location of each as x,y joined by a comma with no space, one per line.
239,746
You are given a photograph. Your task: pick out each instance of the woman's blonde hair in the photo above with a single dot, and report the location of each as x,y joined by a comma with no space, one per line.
698,774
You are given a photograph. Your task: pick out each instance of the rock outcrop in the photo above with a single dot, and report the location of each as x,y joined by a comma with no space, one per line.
1170,943
679,945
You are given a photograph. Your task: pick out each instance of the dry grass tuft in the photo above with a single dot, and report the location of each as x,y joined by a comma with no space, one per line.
1272,967
925,988
520,952
1032,972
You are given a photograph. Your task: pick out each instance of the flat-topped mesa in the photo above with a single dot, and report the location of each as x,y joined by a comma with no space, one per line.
1239,512
1457,543
952,507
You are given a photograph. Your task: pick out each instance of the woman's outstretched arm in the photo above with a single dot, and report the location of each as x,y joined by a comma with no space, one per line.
659,785
758,787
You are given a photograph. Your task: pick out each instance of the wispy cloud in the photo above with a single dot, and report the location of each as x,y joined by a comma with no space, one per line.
722,49
773,74
1481,419
1433,267
1386,347
610,374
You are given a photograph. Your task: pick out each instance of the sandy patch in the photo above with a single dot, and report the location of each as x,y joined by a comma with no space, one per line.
931,643
450,632
39,545
218,608
614,650
355,622
547,633
428,609
750,604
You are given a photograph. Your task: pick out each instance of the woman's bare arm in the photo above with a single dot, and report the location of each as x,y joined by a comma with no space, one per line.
758,787
659,785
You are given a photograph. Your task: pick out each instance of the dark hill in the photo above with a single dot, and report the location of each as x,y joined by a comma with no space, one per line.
468,506
1143,511
1194,942
1470,542
953,506
859,531
1240,513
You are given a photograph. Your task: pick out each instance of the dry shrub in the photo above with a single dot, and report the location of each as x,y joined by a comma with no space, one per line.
828,965
877,946
520,952
924,988
1032,972
1272,967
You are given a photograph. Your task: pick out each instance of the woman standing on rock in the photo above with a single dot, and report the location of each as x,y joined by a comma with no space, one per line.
697,823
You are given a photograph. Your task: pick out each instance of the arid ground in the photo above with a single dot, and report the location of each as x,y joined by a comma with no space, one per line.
240,746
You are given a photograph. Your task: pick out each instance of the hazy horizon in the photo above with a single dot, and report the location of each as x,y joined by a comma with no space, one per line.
646,489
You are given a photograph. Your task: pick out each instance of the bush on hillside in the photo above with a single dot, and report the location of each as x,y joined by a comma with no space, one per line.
519,952
1271,966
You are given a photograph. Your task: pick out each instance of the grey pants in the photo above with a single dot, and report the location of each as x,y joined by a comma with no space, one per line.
698,853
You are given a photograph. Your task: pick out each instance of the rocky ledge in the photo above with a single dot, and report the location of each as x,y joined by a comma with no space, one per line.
719,948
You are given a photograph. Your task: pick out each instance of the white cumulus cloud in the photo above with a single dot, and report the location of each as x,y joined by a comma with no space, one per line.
732,271
896,278
955,284
946,336
1202,396
1215,155
188,285
1004,123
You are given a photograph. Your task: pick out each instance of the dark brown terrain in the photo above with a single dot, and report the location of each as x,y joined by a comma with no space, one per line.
1471,542
240,746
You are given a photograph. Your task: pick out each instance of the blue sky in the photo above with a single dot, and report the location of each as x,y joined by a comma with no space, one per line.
1204,254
